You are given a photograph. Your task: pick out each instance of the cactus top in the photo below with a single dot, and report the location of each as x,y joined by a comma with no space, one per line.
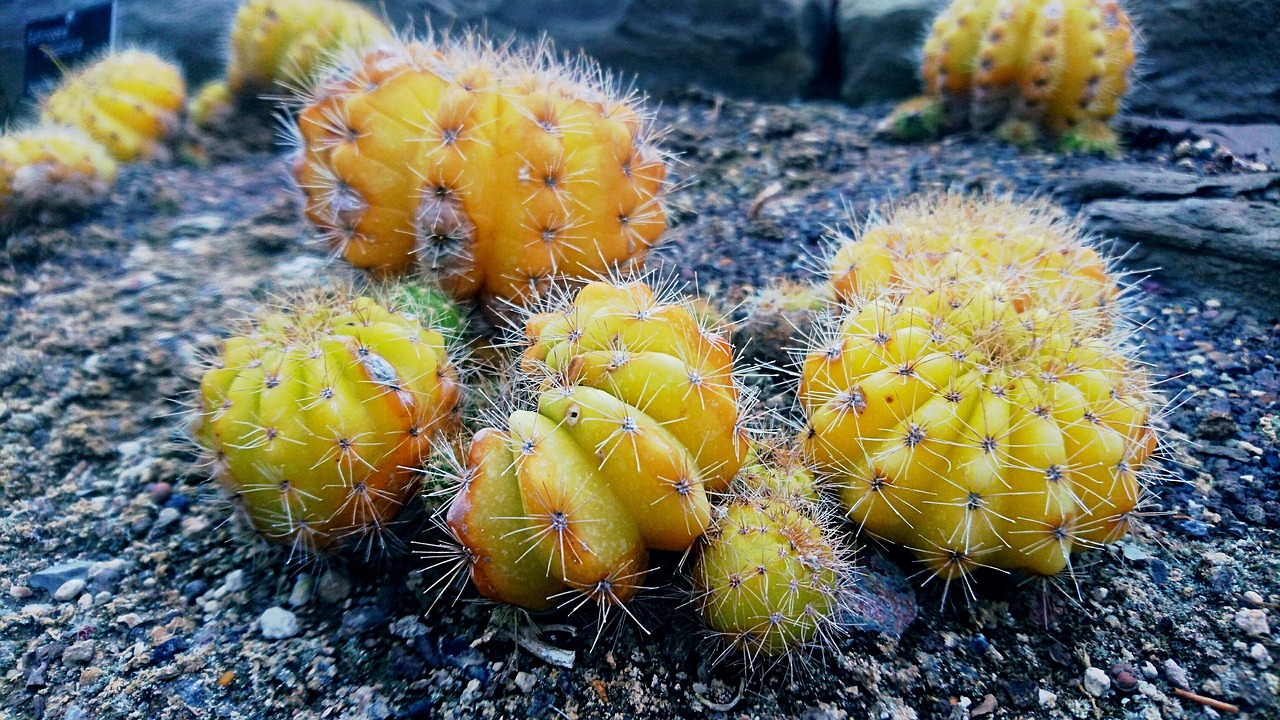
979,404
129,101
1060,62
51,167
498,169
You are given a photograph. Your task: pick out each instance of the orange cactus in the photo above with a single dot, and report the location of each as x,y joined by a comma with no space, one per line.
497,169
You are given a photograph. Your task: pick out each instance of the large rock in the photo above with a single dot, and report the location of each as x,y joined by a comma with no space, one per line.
768,49
880,43
193,33
1211,60
1216,236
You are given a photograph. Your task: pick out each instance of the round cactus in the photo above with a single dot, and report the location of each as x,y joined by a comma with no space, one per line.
771,577
51,169
977,402
275,42
212,105
319,415
1055,66
498,170
129,101
633,420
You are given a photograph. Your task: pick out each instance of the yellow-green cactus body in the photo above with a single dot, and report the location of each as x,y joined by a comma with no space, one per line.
287,41
975,404
319,417
634,422
51,168
130,102
1061,66
212,104
768,577
496,170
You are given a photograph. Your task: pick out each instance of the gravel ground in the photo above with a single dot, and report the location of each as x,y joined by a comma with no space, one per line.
124,593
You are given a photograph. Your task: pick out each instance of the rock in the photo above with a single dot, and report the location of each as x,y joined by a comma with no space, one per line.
50,579
890,598
194,36
232,583
301,590
1253,622
105,576
880,44
1201,233
1201,62
1175,674
767,49
75,712
525,682
69,590
361,619
277,623
79,653
1096,682
1125,676
333,586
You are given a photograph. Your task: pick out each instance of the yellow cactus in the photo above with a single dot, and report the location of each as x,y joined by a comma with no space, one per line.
1056,66
130,102
319,415
634,423
499,170
51,169
771,578
976,402
277,42
212,105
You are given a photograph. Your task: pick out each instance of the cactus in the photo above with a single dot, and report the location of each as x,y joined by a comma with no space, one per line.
977,402
497,169
51,169
772,316
1057,67
772,577
318,416
130,102
275,42
212,105
633,424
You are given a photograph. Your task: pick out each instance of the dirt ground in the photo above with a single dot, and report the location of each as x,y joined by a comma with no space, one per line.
101,322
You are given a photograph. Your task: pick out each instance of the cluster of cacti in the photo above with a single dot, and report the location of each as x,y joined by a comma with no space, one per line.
318,417
976,401
281,44
51,169
497,169
772,577
129,101
633,424
1026,67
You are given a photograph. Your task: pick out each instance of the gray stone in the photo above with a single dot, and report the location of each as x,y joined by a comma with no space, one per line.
1195,233
1204,59
880,43
194,34
769,49
79,653
333,586
301,590
277,623
887,598
1096,682
52,578
69,590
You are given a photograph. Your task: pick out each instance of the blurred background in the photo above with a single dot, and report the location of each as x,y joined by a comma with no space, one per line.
1203,60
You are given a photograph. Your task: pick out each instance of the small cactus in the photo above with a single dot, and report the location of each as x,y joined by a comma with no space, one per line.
319,415
497,169
977,401
286,42
129,101
1026,67
633,424
772,577
212,105
51,170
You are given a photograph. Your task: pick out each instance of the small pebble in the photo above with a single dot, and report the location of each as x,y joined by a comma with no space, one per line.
525,682
74,712
1096,682
160,492
1048,699
167,517
1253,621
1260,655
1125,677
277,623
20,592
79,653
333,586
1176,675
69,590
232,583
301,590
